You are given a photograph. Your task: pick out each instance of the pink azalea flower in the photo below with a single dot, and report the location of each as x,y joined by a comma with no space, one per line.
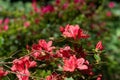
46,46
99,45
36,47
40,50
21,66
80,64
70,64
36,54
64,52
81,34
71,31
111,5
74,32
2,72
23,75
62,29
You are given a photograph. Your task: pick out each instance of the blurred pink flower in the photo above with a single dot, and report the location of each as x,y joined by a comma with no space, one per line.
108,14
26,24
111,5
6,21
65,5
47,9
34,6
5,27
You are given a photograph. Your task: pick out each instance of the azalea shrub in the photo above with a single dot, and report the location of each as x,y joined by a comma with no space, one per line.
70,61
60,40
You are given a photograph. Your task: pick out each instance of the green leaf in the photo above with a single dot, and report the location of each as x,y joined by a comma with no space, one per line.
97,57
116,12
69,78
1,41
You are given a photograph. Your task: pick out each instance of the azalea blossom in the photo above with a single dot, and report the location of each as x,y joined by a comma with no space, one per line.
42,50
21,66
70,64
99,45
80,64
2,72
73,63
43,45
46,46
74,32
64,52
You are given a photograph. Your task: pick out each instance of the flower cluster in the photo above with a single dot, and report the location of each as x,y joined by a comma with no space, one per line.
69,59
21,66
